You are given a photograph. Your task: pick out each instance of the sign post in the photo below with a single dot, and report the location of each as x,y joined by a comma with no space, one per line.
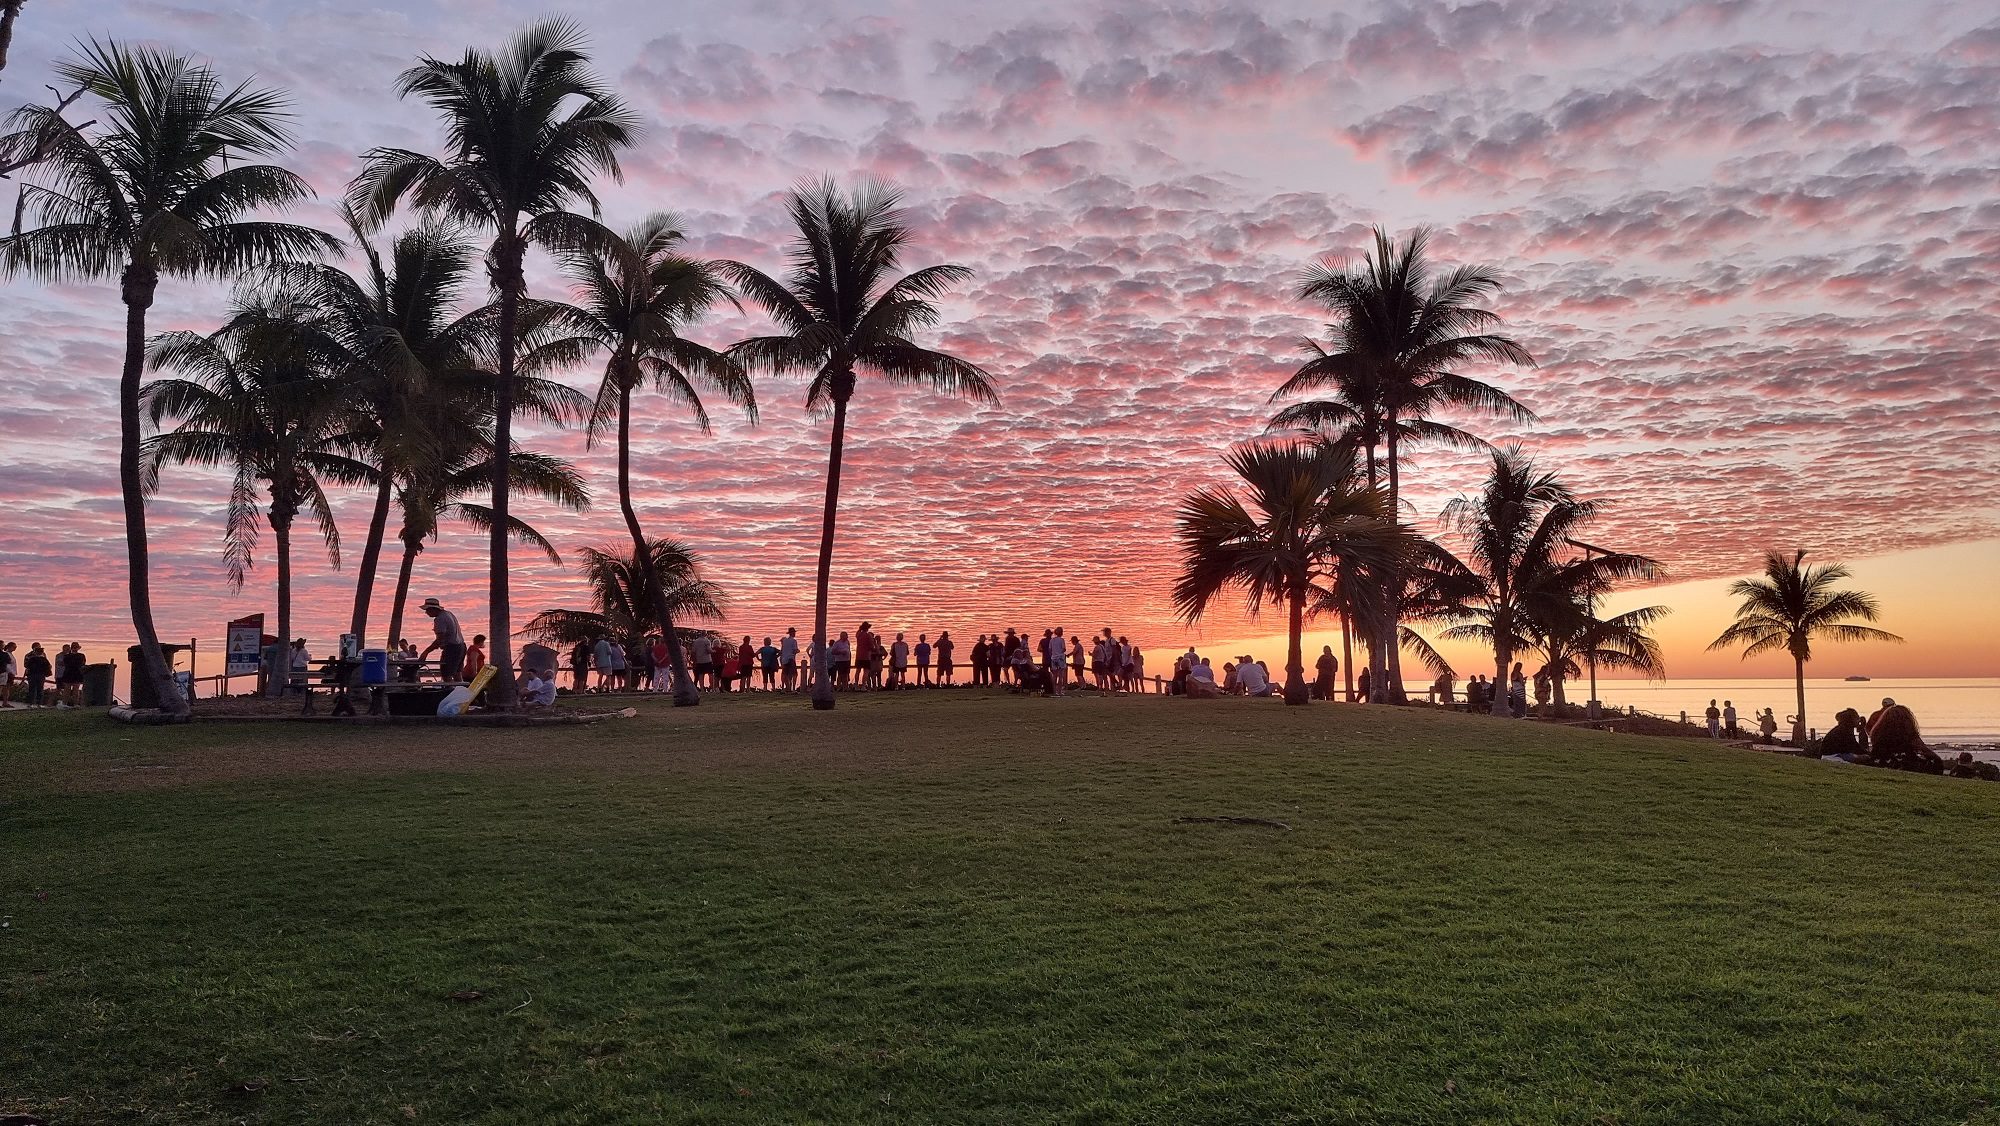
245,647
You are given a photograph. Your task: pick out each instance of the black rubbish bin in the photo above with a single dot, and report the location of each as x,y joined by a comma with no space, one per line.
143,693
97,684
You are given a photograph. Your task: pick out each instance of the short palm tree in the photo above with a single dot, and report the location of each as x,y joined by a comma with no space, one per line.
842,310
526,129
1791,606
1400,333
1516,562
438,494
623,607
255,397
634,295
159,190
1567,638
1309,510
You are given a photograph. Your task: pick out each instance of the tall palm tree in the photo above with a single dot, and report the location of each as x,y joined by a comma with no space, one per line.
436,493
158,190
623,607
1789,607
410,362
10,10
841,310
1516,533
1308,510
526,129
635,294
1400,331
255,396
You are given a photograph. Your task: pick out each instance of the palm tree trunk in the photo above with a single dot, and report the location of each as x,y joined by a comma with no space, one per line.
139,284
1392,591
1799,723
1503,655
1347,650
371,559
1556,690
281,531
9,11
685,693
500,691
822,689
1295,660
402,597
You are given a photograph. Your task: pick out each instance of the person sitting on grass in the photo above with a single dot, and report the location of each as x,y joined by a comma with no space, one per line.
1253,679
536,691
1900,746
1845,740
1201,681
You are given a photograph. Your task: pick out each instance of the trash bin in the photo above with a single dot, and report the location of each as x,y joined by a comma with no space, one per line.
144,695
540,658
97,681
374,666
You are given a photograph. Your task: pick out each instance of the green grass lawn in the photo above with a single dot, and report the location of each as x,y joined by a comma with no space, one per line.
965,909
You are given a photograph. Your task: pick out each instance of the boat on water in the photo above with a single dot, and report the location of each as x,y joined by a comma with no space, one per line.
1858,679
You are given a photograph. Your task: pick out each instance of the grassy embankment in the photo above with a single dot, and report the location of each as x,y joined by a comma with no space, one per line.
974,909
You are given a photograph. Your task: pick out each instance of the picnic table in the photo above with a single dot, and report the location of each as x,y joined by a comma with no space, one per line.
338,675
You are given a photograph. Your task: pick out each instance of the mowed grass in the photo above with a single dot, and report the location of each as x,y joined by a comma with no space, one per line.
967,909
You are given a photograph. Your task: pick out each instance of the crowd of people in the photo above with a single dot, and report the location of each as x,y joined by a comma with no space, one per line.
37,673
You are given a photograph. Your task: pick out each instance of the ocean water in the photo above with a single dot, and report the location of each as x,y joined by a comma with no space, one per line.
1948,710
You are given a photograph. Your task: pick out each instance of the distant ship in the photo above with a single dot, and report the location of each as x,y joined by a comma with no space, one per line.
1858,678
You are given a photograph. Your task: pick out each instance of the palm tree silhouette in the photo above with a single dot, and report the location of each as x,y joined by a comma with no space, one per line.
1789,607
623,607
158,191
525,129
841,310
1514,565
1400,330
256,396
1309,509
634,294
410,361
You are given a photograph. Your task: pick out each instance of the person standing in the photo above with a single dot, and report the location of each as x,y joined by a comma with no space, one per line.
1076,660
979,661
36,669
579,666
899,661
301,667
944,665
702,651
1135,666
767,664
1714,716
745,665
1517,692
788,658
923,660
475,658
449,643
1767,728
7,673
1729,727
600,660
1326,668
840,655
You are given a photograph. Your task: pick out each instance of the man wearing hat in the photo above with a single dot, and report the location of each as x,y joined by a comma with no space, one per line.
450,642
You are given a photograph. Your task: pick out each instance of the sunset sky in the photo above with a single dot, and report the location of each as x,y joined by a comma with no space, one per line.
1754,245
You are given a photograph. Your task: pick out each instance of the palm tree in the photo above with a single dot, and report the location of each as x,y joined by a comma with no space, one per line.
159,190
255,396
623,606
409,362
1789,607
526,130
634,295
839,312
1567,638
1308,510
1399,331
10,10
1516,531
